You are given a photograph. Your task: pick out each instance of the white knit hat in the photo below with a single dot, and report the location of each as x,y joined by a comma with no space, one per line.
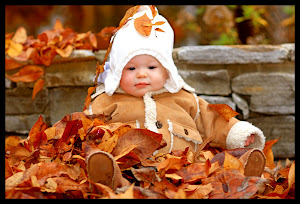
128,43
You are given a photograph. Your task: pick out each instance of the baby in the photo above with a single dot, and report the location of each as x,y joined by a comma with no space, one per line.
141,87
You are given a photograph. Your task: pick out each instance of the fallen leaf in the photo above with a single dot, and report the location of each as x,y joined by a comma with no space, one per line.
14,49
231,162
20,35
38,86
65,52
28,73
224,110
269,153
11,64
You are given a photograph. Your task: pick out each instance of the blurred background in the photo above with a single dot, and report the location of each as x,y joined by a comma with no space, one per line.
192,24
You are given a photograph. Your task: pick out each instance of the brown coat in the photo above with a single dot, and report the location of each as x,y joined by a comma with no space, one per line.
177,117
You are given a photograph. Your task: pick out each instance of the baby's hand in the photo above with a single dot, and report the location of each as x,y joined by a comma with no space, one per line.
250,140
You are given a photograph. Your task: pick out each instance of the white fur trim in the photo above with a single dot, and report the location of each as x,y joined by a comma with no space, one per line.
238,135
198,108
90,110
137,124
150,112
171,133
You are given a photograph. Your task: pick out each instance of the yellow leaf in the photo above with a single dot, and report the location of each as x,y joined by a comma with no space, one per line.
291,178
14,49
231,162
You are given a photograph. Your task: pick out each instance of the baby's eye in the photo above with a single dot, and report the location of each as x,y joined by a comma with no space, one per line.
131,68
151,67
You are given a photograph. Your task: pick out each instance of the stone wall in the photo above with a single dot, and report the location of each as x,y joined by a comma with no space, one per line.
257,81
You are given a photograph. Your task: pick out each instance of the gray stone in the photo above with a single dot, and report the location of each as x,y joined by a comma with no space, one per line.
18,101
234,54
208,82
219,100
262,83
21,124
73,73
76,55
291,48
271,93
273,103
241,104
66,100
9,84
282,127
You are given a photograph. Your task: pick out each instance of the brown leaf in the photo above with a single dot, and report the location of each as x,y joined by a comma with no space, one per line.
38,86
143,25
194,172
147,142
29,73
224,110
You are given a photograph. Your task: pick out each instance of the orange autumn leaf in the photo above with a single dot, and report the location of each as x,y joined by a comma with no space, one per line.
11,64
159,30
58,25
88,97
65,52
129,13
224,110
29,73
20,35
143,25
154,12
37,87
269,153
231,162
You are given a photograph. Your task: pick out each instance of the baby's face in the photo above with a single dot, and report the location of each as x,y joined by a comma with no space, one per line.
142,74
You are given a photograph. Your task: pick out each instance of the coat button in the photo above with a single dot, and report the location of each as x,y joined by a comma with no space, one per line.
158,124
186,131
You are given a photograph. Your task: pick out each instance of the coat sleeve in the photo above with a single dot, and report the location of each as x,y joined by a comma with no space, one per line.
226,134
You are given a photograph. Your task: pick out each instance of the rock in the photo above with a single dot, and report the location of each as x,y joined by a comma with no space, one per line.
18,101
261,83
273,103
21,124
208,82
282,127
73,73
234,54
66,100
219,100
271,93
241,104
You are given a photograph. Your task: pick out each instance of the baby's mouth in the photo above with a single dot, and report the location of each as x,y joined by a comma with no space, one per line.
142,84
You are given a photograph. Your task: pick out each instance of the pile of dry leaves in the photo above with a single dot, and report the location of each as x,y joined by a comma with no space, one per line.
51,163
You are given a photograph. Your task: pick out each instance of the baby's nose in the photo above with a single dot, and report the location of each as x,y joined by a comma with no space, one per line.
141,74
